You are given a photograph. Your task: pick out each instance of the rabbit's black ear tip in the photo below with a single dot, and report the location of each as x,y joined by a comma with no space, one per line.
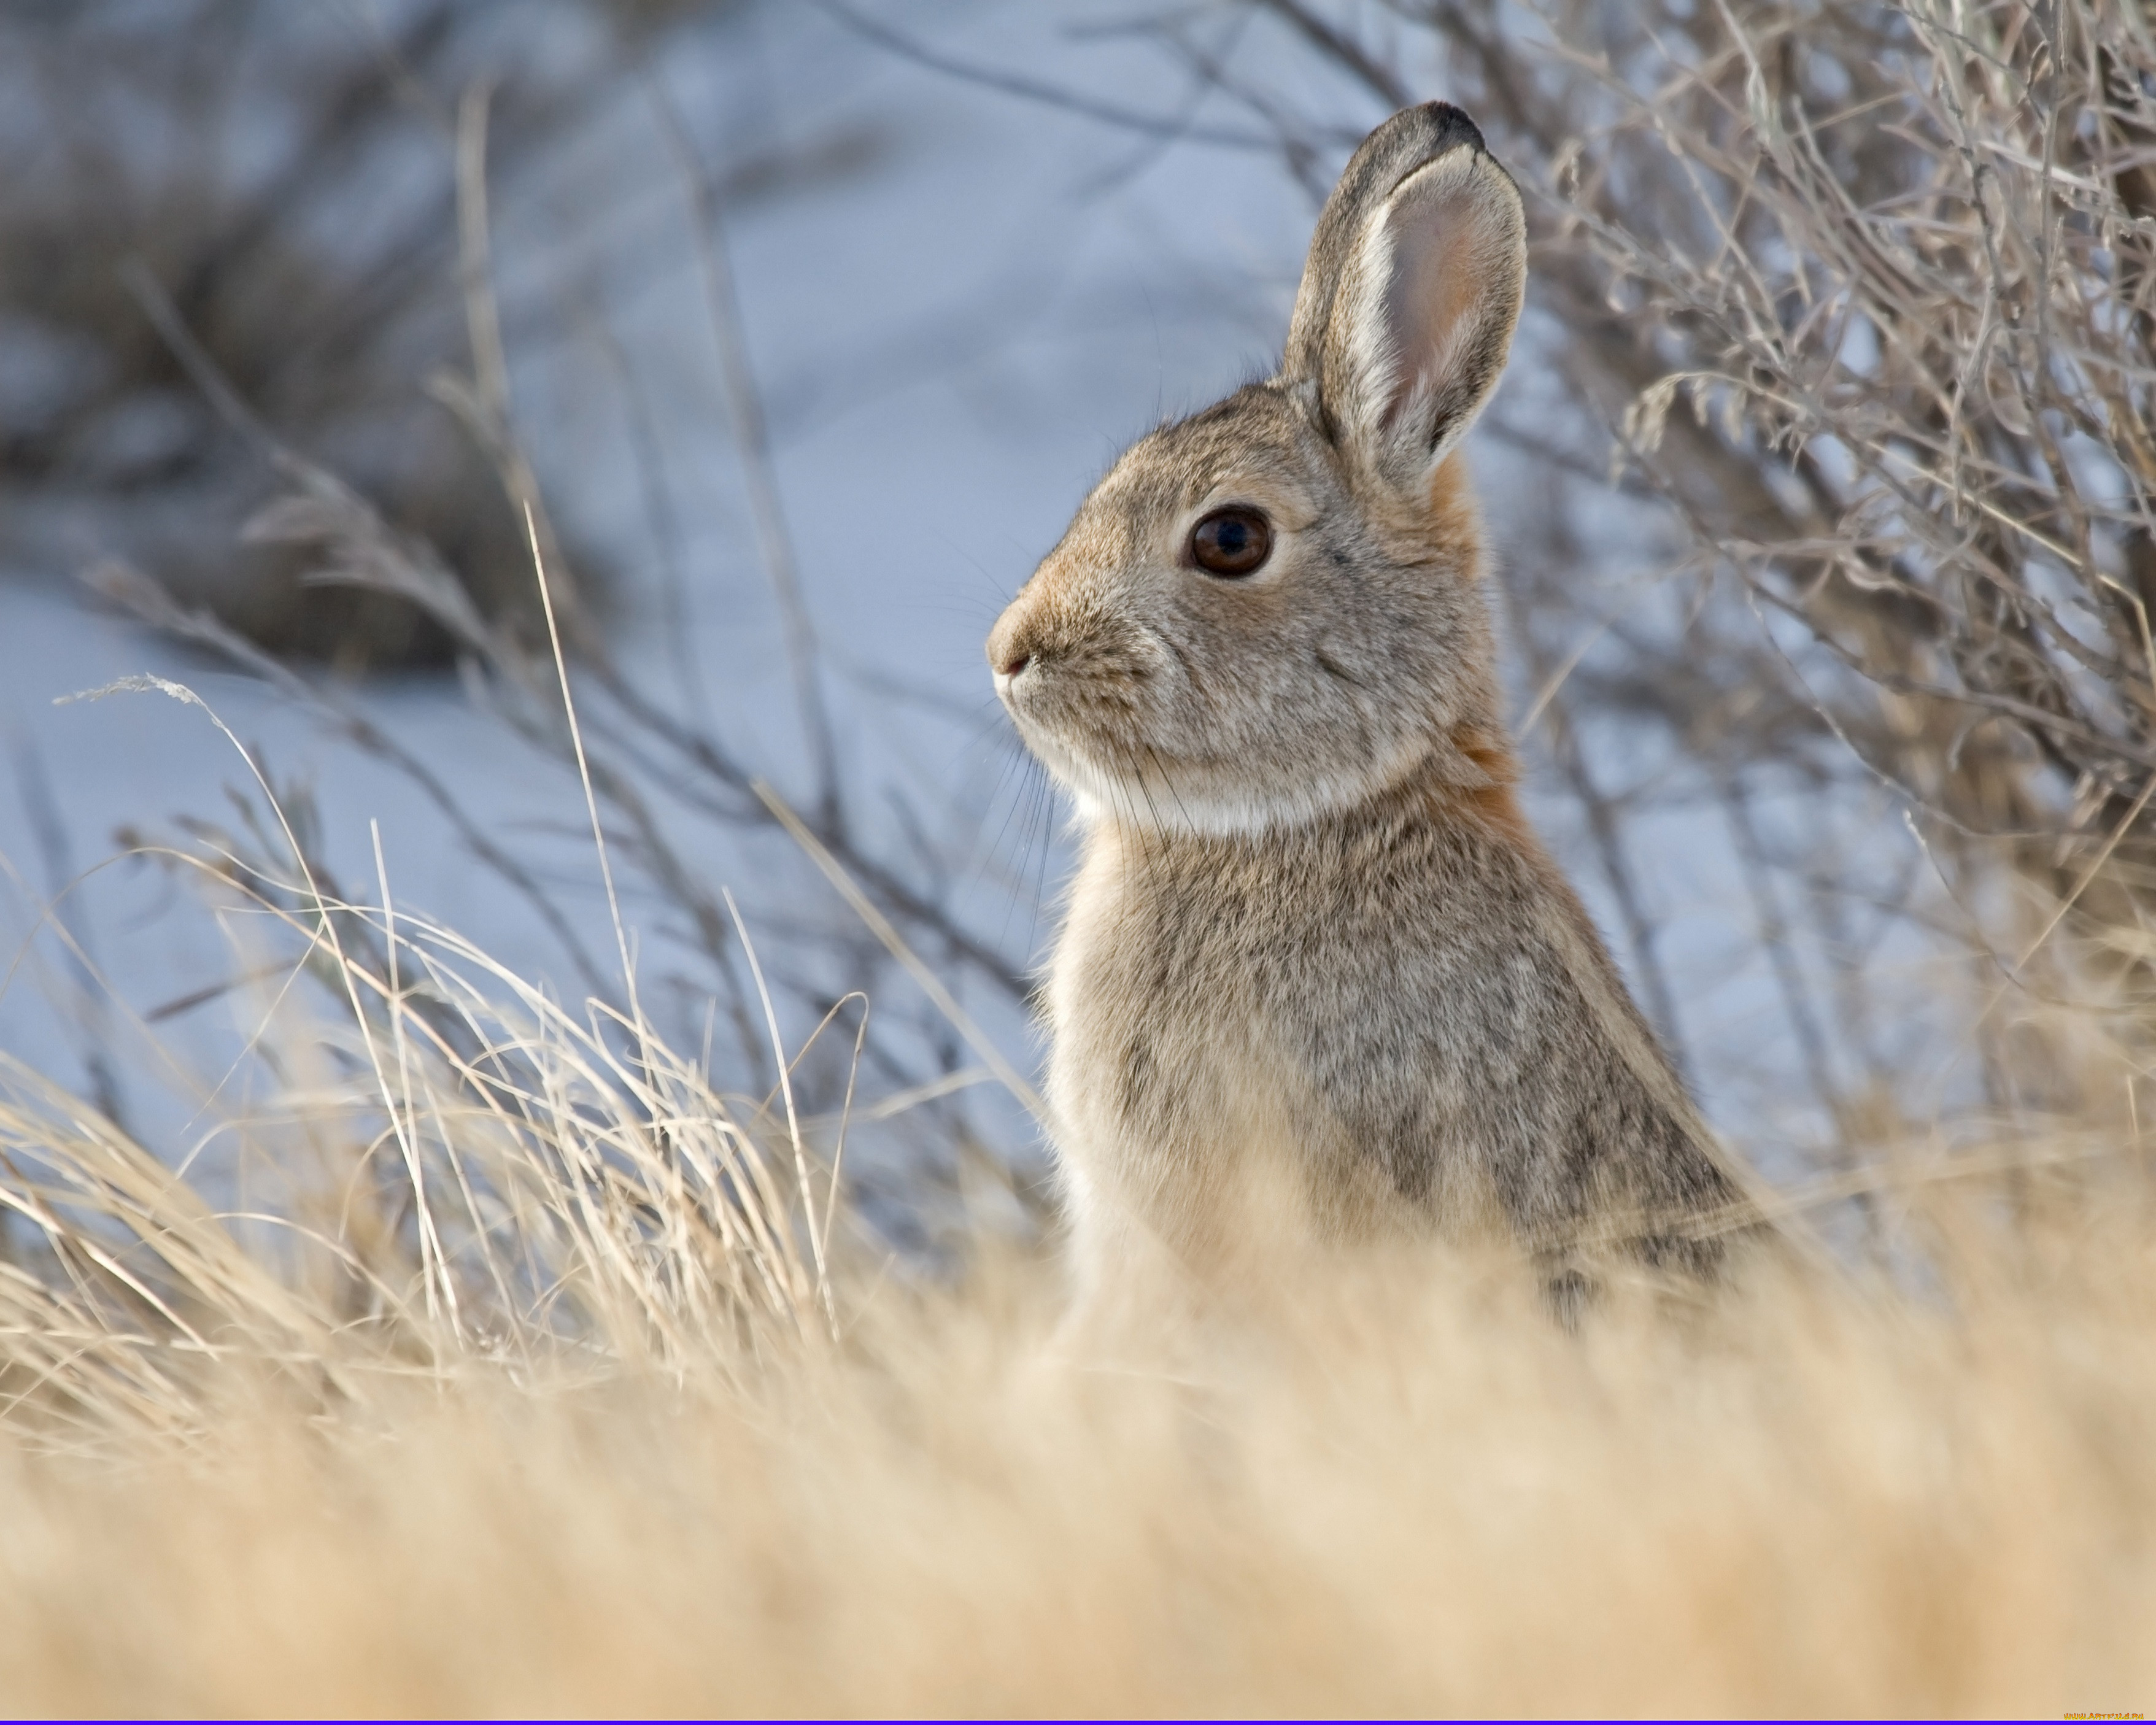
1450,128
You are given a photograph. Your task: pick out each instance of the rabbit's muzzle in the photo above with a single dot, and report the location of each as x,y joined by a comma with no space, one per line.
1077,680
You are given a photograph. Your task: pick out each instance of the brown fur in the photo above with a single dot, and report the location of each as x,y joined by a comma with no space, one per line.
1319,983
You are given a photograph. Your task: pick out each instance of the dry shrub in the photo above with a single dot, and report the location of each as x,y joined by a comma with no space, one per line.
287,178
240,159
1897,291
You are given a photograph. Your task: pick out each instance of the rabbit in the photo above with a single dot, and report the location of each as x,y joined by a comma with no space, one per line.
1317,983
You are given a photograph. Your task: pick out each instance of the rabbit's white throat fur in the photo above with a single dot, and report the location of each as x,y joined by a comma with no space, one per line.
1165,799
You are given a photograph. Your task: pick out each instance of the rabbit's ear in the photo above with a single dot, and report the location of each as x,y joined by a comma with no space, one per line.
1415,280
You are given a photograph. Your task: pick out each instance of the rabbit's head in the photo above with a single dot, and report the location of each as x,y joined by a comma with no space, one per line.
1272,608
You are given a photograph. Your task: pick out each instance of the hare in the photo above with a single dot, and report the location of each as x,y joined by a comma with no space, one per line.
1318,983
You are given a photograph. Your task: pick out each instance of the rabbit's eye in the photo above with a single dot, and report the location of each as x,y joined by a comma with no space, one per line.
1231,541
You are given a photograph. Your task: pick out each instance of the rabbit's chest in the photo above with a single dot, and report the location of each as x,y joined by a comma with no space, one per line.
1157,1004
1171,1096
1361,1033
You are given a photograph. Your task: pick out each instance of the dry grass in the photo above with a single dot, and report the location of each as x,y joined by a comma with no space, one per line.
1816,1501
540,1399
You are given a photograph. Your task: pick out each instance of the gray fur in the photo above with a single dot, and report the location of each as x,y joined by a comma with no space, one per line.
1319,984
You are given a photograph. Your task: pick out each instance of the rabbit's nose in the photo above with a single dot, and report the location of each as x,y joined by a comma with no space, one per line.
1011,645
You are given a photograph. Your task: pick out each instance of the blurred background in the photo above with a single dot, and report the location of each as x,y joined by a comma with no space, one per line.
1819,488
